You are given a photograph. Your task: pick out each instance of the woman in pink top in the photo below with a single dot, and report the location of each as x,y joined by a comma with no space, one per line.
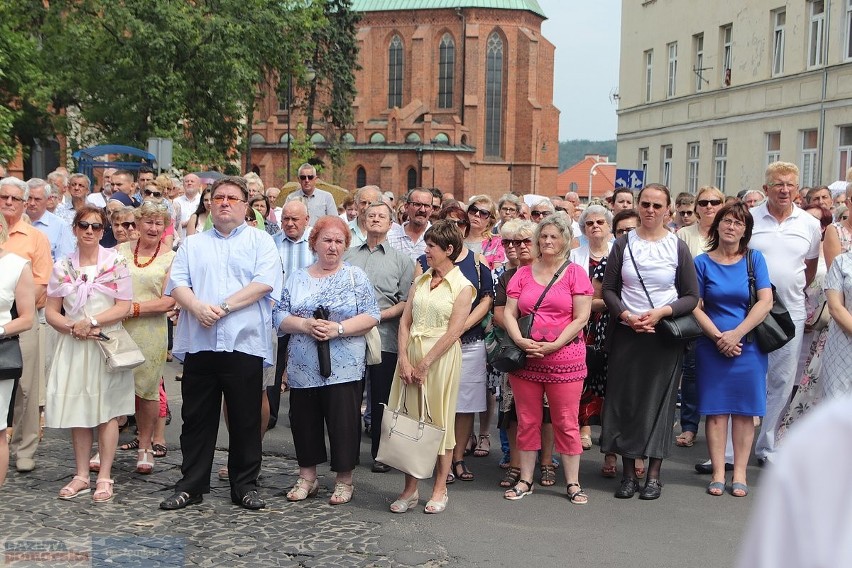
556,352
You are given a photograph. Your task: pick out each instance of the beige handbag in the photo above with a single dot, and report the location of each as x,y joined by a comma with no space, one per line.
374,346
410,444
120,351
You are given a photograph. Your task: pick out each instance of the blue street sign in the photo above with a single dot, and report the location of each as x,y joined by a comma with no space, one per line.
631,179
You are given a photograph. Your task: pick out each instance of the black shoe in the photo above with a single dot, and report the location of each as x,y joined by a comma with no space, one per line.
379,467
178,378
251,501
271,424
652,490
180,500
628,489
706,468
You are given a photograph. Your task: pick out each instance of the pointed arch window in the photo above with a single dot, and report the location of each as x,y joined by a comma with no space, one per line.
395,68
494,96
446,71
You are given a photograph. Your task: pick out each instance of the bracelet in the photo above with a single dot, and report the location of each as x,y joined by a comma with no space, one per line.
135,309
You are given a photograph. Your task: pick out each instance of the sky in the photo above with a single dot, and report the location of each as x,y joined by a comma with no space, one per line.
586,36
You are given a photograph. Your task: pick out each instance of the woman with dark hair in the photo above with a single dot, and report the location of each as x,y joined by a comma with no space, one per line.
731,370
261,205
649,275
430,356
198,220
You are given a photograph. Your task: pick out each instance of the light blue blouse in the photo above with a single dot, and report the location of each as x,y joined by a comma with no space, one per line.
346,293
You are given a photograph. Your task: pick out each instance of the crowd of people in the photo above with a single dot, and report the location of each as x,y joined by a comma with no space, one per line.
397,298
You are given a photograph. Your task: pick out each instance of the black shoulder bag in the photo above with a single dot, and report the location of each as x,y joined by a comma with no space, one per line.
777,328
683,327
509,357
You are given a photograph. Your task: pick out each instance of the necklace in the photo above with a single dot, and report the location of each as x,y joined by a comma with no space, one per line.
136,254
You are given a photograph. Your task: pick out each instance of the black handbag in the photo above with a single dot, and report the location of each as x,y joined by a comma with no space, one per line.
11,361
777,328
683,327
508,356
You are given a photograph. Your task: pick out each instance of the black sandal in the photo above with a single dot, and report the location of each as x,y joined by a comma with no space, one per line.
131,445
548,475
578,497
513,476
160,451
465,474
516,492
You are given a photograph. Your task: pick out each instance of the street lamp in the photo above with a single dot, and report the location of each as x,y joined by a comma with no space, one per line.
593,173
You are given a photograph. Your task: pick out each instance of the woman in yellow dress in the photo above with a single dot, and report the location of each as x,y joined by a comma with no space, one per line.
430,353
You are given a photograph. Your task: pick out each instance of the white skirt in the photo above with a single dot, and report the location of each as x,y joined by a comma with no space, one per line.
473,385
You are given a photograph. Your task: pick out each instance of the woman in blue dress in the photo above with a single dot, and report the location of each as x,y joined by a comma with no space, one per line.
731,369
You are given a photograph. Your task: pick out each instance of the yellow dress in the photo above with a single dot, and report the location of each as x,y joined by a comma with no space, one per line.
149,332
430,314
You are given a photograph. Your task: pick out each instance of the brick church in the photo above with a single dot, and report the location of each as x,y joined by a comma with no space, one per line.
457,98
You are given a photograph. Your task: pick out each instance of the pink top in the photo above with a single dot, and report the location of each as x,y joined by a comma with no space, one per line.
556,310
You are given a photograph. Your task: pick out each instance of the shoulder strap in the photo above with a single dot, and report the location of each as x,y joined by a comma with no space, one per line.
552,281
636,268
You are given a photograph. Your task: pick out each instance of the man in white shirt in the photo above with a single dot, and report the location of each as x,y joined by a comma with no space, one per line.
319,202
789,239
408,237
188,202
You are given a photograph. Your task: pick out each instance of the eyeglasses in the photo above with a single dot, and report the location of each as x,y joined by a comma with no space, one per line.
783,185
516,242
304,178
461,222
508,210
149,193
706,202
84,225
648,205
127,225
539,213
686,213
598,222
12,197
220,199
732,222
624,230
482,213
418,205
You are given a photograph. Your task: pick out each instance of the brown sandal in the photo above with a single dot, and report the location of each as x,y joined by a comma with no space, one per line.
513,476
548,475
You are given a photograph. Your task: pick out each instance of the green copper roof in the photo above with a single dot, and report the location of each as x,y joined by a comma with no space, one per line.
387,5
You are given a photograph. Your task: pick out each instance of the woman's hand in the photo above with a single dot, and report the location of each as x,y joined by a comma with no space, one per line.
548,347
321,330
532,348
648,321
729,343
419,374
634,321
406,371
81,329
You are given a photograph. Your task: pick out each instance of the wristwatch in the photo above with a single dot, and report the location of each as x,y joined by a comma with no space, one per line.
94,322
2,331
225,307
340,330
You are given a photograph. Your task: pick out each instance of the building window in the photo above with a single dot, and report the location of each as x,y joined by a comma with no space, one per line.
848,53
809,167
494,96
845,148
285,95
649,67
779,19
411,182
727,35
693,150
360,177
666,165
773,147
446,71
395,68
816,32
720,162
643,162
672,88
698,42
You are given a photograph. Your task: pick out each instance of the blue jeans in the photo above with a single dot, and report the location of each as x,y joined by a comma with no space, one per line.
689,417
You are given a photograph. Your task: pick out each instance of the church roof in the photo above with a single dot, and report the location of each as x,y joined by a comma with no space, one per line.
390,5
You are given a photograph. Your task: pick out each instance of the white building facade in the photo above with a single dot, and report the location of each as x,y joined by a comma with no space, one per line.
711,92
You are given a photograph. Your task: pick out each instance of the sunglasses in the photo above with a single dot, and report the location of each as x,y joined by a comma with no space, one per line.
648,205
706,202
149,193
598,222
461,222
84,225
128,225
516,242
304,177
623,231
220,199
686,213
482,213
538,213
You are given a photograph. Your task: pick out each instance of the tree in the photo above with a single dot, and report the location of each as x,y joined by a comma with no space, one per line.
186,70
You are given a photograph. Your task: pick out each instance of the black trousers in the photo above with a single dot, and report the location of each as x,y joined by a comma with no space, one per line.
381,378
273,393
336,407
207,377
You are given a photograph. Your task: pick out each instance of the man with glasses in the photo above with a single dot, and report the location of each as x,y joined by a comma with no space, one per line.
364,196
789,239
28,242
319,202
408,237
225,281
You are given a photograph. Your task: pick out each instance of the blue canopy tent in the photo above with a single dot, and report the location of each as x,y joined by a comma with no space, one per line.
86,162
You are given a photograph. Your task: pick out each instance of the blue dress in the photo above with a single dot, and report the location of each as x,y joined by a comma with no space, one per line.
729,385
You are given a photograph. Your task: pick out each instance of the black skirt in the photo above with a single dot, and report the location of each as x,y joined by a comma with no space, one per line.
639,409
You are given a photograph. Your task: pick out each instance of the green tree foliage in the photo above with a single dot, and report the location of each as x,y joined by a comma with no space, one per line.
572,151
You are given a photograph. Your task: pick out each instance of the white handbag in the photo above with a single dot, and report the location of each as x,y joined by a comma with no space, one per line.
408,443
120,351
374,346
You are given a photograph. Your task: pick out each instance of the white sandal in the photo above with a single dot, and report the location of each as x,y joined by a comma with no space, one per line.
144,465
